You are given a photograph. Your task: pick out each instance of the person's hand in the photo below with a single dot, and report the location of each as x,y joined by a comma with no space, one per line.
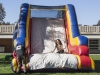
51,51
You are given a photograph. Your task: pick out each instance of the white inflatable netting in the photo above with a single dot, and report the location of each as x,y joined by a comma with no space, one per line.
44,31
52,60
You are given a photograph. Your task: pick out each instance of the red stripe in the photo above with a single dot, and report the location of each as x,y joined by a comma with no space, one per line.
85,62
28,48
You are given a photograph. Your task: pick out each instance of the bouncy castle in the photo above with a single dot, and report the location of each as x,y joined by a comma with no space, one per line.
37,29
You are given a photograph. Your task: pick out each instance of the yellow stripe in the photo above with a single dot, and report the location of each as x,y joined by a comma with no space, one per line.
47,9
92,64
27,25
73,41
79,61
15,43
14,64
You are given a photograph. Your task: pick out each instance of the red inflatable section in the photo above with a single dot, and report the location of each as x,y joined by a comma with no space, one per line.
79,50
85,62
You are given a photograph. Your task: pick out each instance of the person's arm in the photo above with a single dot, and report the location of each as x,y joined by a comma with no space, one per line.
65,47
53,50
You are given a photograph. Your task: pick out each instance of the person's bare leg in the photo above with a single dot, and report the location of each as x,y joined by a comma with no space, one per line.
27,66
19,64
24,64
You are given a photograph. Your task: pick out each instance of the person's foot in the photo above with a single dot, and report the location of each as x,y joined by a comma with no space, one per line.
24,68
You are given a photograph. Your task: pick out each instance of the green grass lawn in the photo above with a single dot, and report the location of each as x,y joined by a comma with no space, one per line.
6,70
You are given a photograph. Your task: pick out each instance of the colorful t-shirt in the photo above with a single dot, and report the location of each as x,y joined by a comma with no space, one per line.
59,47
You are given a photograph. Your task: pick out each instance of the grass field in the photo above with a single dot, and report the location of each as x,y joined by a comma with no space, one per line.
6,70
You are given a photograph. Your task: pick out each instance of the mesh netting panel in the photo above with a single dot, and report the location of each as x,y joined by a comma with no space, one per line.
44,32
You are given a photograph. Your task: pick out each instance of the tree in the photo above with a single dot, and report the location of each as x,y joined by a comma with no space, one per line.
59,14
2,13
98,24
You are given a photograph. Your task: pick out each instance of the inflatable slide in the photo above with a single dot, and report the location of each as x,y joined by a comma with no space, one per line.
34,39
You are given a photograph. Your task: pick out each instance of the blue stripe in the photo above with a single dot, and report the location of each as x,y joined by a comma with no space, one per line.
73,20
22,24
74,26
20,41
15,34
83,40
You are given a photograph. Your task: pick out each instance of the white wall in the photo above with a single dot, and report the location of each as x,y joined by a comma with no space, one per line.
93,36
6,36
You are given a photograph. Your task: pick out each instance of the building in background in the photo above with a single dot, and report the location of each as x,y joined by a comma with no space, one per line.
91,32
93,35
6,33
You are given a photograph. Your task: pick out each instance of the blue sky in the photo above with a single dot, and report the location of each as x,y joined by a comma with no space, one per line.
88,11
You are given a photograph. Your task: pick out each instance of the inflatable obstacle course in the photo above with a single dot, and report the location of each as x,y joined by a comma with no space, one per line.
37,29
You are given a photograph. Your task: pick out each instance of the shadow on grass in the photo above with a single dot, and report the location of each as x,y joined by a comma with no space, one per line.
3,61
26,74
